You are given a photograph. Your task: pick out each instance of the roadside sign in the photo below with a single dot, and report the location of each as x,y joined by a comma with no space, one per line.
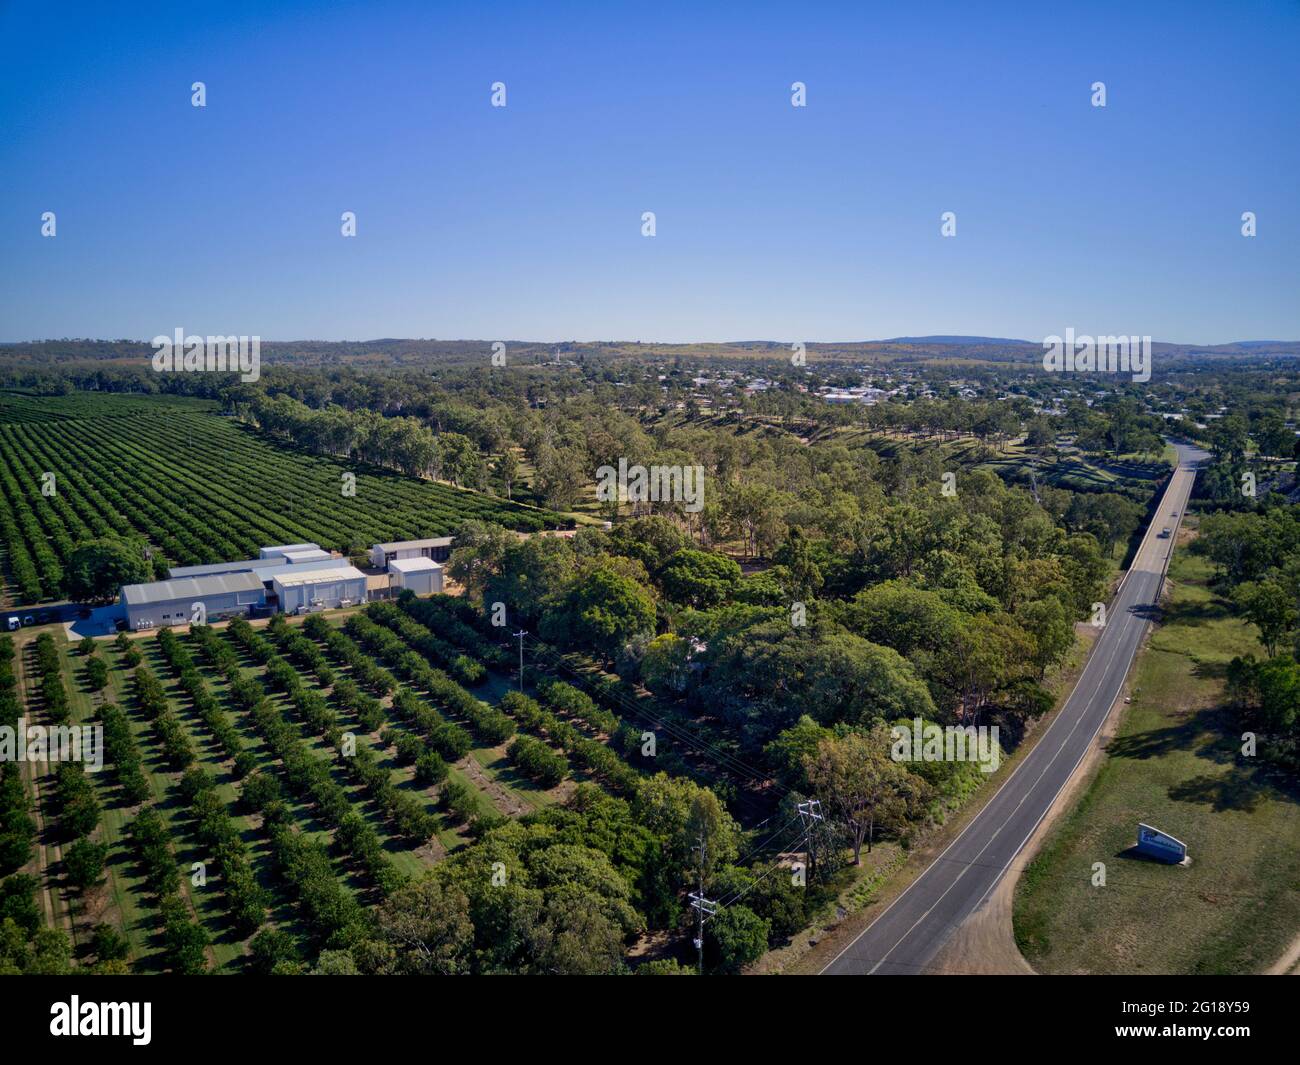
1160,845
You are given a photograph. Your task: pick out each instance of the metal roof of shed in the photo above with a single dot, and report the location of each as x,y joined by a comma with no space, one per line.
270,573
311,554
399,545
295,575
242,565
264,566
413,565
272,550
190,588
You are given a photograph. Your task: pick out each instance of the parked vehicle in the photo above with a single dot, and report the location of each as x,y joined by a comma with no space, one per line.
14,622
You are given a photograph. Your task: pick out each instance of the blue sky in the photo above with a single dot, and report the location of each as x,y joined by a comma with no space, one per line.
773,222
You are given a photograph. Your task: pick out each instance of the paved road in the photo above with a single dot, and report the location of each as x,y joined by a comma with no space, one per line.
905,938
100,620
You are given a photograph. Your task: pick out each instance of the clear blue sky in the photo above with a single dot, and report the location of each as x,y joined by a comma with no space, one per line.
774,222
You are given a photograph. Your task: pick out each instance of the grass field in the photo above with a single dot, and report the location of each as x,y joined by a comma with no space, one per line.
1175,762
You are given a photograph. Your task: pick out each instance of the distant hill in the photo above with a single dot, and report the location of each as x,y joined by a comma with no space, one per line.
422,353
1274,344
956,340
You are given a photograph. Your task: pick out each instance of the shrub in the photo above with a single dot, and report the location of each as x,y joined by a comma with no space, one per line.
85,863
538,761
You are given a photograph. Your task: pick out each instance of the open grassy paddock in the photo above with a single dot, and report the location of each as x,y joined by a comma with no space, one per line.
1176,763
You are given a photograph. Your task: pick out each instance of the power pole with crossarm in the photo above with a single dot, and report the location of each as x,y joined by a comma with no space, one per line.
521,634
703,908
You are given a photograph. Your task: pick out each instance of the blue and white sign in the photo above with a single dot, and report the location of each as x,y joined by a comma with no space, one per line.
1160,845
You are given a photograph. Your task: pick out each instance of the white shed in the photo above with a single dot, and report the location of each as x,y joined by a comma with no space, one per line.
279,550
437,548
423,576
308,588
307,554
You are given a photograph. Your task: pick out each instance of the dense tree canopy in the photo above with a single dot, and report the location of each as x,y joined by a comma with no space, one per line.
98,568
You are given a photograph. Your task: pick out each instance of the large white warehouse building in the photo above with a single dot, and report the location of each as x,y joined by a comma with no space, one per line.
293,578
175,602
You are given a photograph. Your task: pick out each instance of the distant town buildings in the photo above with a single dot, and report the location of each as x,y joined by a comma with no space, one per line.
861,394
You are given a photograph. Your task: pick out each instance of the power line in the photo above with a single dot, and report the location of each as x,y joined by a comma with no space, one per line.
520,635
810,813
759,847
736,896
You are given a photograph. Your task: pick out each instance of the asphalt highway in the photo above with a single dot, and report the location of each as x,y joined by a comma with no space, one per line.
905,938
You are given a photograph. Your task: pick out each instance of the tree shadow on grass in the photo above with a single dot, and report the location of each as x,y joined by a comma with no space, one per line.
1155,742
1195,613
1237,789
1208,733
510,775
152,957
1203,670
1142,471
1244,783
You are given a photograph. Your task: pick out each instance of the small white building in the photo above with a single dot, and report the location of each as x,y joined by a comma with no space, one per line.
437,548
423,576
271,568
280,550
307,554
302,589
264,566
